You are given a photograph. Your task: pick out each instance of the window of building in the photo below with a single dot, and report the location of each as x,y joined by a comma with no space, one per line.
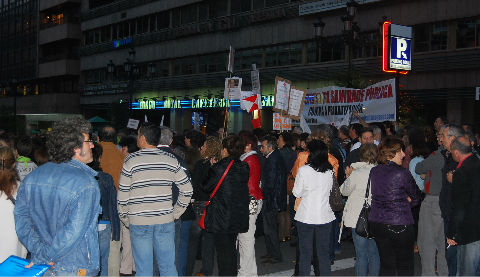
240,6
176,17
271,3
189,14
430,37
290,54
245,58
217,8
153,22
333,49
258,4
184,66
271,56
466,33
212,63
163,20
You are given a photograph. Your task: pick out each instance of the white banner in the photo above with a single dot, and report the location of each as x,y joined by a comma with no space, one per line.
331,105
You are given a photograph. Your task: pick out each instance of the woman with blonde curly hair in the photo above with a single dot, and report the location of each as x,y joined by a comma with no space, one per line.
210,152
8,189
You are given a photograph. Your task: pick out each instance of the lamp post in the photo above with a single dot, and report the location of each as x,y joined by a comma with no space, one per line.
318,28
132,71
350,32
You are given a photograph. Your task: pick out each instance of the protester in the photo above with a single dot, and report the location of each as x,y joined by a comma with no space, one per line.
8,190
246,241
210,150
63,234
146,207
274,185
394,192
24,148
313,183
464,226
228,212
108,221
367,262
285,147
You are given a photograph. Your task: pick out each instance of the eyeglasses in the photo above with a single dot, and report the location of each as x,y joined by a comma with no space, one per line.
88,141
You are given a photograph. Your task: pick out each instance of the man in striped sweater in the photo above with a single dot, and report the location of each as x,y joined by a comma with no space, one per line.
145,202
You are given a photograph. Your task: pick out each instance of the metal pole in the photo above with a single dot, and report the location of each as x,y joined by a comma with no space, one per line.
397,93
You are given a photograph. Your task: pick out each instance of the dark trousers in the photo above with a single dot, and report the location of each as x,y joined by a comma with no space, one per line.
270,231
450,253
198,237
225,244
308,235
395,247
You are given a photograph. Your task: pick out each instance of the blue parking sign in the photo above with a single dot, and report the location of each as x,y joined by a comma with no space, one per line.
400,53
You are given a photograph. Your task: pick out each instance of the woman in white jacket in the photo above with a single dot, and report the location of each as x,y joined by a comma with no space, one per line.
8,190
367,261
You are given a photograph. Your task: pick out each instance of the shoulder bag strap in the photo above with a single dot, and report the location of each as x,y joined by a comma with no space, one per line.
367,192
12,199
221,179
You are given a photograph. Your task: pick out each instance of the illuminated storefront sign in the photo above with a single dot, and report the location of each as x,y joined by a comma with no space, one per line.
121,42
202,103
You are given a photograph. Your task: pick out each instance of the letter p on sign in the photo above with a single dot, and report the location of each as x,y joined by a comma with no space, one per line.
401,48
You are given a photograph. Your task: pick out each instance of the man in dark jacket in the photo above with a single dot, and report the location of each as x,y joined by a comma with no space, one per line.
464,226
274,183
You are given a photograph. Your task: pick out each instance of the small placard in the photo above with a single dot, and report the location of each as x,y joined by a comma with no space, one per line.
281,122
133,123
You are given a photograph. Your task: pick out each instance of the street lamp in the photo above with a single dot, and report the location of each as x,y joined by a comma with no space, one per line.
318,28
350,33
132,71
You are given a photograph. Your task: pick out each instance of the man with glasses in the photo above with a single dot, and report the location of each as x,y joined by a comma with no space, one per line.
57,207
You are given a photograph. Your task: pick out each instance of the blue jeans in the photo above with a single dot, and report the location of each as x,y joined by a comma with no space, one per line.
150,239
468,259
182,231
367,261
335,245
306,235
104,243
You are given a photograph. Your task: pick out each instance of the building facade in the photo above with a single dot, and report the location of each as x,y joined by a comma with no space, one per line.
39,60
170,57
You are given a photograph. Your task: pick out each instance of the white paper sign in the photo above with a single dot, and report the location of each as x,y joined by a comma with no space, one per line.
296,102
282,94
233,88
243,104
133,123
281,123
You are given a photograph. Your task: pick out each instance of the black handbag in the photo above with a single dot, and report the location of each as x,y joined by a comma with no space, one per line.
336,199
362,223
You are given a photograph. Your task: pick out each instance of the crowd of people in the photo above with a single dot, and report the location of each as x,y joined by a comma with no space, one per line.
154,202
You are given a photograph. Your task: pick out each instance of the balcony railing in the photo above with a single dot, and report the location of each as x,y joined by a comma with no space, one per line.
224,23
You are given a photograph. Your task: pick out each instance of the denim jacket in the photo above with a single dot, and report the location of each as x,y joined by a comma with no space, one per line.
56,217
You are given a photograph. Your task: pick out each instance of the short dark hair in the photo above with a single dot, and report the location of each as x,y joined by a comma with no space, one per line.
97,152
151,132
271,141
65,137
461,146
196,138
249,138
235,146
24,146
357,128
388,148
344,130
130,142
365,130
368,153
108,134
287,138
318,156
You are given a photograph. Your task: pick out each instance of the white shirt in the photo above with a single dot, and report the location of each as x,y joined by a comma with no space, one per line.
314,189
9,240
